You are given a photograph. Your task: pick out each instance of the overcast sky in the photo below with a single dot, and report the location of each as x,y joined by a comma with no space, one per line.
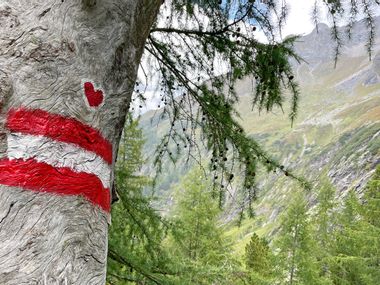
299,20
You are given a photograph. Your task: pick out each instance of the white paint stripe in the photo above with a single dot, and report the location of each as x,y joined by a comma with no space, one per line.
58,154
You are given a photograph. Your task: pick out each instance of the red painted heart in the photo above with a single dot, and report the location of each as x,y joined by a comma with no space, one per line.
94,97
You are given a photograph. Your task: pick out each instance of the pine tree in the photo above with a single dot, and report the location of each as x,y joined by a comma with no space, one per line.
371,217
296,245
324,211
258,261
137,231
356,257
347,265
371,203
257,254
324,223
197,240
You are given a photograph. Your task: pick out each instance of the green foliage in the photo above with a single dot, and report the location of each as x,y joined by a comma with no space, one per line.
197,242
347,239
337,245
334,245
297,246
257,254
259,261
347,266
356,251
325,216
137,230
324,222
196,217
371,203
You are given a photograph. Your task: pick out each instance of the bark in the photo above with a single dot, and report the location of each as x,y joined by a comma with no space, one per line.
48,50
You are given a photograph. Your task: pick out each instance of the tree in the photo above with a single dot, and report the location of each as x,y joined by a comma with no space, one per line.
197,241
67,73
296,246
257,253
258,260
347,264
325,223
371,204
371,216
356,247
68,69
136,253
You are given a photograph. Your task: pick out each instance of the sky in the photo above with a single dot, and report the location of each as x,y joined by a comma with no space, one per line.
299,20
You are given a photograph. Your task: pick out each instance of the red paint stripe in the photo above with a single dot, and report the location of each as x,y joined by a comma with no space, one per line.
57,127
41,177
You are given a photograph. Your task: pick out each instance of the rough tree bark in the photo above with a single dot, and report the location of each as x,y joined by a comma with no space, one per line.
67,71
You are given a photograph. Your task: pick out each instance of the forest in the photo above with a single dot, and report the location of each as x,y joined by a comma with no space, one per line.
329,242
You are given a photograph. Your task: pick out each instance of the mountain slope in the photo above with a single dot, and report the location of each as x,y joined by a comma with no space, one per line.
337,132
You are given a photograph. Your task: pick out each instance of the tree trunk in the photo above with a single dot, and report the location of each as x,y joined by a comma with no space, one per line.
67,71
